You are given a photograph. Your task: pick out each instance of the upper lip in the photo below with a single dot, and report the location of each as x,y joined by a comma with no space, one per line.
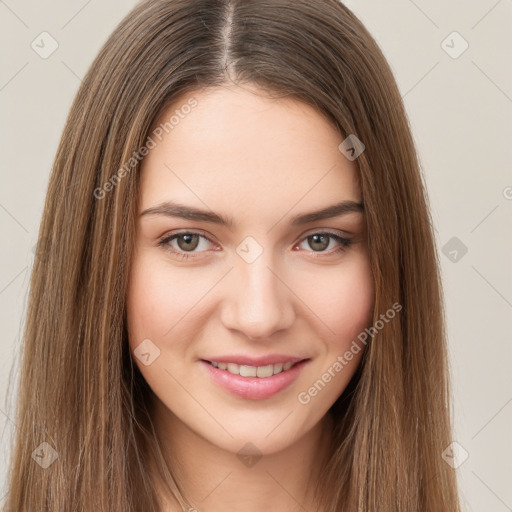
255,361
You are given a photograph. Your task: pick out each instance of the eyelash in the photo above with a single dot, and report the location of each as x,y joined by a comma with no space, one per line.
344,243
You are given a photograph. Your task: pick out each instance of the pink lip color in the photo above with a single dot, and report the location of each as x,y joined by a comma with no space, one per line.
254,388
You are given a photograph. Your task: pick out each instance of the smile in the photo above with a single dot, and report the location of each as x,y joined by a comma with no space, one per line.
253,382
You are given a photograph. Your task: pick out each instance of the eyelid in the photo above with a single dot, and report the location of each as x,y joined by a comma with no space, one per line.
329,231
193,231
207,235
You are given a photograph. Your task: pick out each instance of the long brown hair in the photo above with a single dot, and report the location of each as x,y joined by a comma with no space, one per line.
79,390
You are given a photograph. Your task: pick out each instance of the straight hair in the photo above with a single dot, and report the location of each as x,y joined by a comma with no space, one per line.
79,390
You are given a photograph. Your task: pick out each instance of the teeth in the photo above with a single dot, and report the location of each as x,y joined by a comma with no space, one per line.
248,371
262,371
253,371
233,368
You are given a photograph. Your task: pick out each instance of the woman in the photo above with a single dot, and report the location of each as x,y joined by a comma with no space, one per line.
239,304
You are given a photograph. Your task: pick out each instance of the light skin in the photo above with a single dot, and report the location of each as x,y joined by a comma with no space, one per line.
260,162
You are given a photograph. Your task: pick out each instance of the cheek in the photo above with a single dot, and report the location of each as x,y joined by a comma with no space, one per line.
346,308
344,300
159,299
163,304
354,304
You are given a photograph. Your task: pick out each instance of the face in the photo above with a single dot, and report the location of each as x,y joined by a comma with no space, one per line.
255,283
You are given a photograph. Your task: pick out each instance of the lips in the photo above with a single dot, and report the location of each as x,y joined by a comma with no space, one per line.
254,381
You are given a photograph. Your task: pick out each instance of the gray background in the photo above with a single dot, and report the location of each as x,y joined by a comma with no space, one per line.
460,111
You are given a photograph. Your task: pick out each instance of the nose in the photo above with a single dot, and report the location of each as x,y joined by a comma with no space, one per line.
259,302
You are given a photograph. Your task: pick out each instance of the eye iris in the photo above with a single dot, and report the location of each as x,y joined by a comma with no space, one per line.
316,238
191,241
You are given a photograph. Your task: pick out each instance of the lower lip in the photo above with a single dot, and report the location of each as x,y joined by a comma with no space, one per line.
254,388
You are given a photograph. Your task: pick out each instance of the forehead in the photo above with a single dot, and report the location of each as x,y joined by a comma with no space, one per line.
240,152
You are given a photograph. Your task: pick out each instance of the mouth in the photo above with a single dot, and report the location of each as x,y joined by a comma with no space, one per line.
253,382
253,371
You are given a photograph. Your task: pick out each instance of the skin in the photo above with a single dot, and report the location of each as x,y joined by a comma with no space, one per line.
259,161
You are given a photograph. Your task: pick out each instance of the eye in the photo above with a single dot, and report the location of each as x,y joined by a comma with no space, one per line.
186,242
320,241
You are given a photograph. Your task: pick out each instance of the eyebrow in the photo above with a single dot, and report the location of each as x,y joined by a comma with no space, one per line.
171,209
